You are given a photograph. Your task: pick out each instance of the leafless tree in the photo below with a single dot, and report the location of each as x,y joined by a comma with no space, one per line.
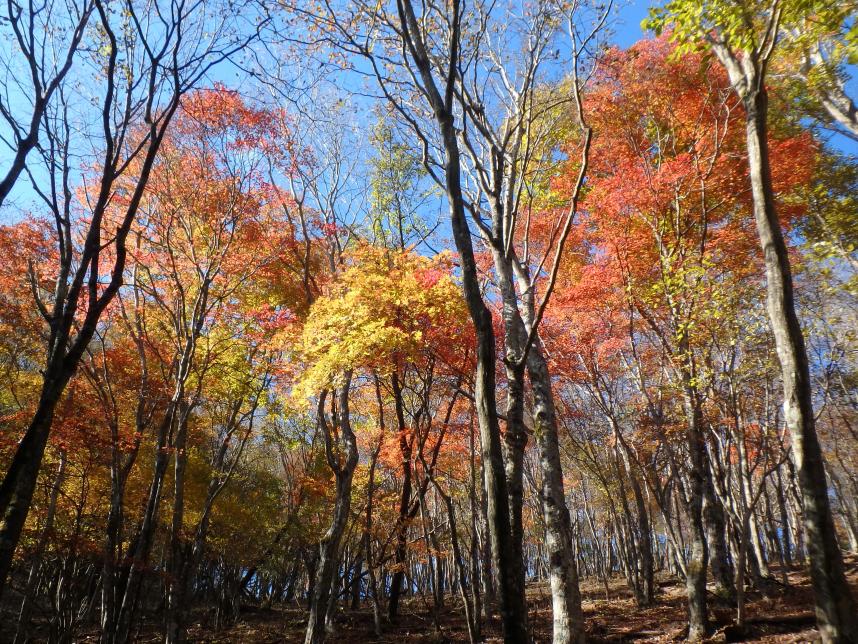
45,39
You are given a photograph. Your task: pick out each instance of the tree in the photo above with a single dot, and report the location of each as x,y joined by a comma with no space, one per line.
405,34
47,40
145,67
201,243
744,37
509,152
377,315
493,152
825,38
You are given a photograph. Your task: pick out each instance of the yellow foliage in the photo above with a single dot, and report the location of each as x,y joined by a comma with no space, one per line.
385,307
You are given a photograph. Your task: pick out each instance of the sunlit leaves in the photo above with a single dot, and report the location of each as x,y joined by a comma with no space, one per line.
385,307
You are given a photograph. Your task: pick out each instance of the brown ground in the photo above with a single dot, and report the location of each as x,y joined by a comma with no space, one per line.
785,616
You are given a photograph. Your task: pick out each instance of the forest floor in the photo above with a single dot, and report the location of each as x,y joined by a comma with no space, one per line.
786,615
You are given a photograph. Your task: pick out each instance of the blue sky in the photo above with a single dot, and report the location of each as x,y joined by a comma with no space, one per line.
626,30
627,26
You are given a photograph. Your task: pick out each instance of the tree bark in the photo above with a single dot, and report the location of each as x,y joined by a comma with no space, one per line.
515,436
174,630
400,552
568,618
16,491
513,607
836,611
716,530
342,459
696,567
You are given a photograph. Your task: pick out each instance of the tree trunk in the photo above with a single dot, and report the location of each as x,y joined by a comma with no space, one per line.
467,598
513,606
645,540
515,436
568,618
716,529
141,546
342,459
372,585
174,626
402,520
21,634
487,584
16,491
836,611
740,568
695,579
112,549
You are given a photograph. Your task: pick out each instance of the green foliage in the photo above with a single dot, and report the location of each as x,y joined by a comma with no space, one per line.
395,191
741,25
831,229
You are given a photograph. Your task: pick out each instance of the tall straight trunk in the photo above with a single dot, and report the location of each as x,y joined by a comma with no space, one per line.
172,432
784,518
436,563
190,554
515,442
644,528
401,549
850,520
515,437
511,592
357,575
513,607
477,576
836,610
113,540
696,567
630,541
459,563
771,526
311,563
141,546
487,584
716,536
644,538
761,566
174,628
568,618
372,585
744,529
